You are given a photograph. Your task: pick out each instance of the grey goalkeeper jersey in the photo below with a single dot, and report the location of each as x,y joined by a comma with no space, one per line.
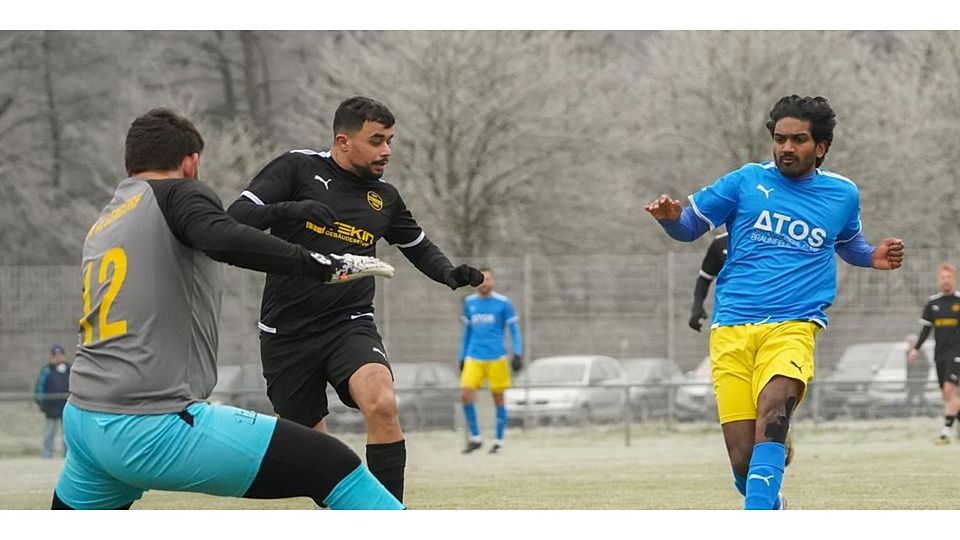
151,294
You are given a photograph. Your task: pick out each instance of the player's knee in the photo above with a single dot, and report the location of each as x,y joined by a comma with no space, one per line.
382,406
777,423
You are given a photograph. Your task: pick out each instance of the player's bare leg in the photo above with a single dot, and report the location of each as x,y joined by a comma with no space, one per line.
371,387
468,398
775,405
321,426
739,438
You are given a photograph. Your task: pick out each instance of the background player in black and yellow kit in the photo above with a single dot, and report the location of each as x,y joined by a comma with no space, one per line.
942,314
709,270
335,202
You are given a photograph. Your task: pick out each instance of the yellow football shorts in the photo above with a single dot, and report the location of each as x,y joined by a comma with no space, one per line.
496,372
743,359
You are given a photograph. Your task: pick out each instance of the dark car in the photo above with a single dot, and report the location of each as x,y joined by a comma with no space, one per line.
428,396
870,379
654,376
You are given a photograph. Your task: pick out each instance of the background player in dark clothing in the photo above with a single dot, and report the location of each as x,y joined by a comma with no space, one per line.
136,419
53,384
336,202
942,314
709,270
918,368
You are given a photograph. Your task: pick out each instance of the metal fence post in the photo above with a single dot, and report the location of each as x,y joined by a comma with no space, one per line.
527,329
671,309
527,306
626,414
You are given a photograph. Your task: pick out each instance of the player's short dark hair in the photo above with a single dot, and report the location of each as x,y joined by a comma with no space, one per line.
159,140
816,110
353,112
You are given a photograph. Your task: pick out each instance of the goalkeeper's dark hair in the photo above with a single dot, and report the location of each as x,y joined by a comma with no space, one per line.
816,110
353,112
159,140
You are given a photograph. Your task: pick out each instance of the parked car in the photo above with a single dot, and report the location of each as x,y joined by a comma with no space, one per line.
870,379
655,375
568,389
694,398
428,396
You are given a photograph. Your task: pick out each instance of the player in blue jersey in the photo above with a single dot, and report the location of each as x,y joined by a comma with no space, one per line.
786,219
483,356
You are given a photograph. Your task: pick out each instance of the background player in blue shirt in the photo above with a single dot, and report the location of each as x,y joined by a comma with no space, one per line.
483,356
785,219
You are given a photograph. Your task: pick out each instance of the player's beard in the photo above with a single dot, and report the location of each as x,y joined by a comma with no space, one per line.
367,173
798,169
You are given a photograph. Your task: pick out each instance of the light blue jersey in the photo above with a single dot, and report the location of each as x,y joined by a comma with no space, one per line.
484,320
780,257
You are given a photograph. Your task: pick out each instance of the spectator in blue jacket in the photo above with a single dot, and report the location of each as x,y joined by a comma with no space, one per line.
53,387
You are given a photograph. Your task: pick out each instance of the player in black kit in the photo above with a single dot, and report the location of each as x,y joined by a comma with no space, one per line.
709,270
942,314
335,202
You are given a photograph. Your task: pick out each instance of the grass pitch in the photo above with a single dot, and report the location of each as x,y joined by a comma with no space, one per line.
875,464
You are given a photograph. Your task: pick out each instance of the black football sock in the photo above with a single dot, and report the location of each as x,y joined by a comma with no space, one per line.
387,462
948,421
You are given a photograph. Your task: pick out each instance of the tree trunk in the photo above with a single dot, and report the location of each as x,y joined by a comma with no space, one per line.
53,118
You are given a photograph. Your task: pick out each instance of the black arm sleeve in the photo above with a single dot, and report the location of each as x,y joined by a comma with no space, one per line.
195,216
275,183
713,260
924,334
926,319
261,216
428,258
700,291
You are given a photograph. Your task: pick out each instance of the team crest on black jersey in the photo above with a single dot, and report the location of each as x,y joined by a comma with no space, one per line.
374,200
955,308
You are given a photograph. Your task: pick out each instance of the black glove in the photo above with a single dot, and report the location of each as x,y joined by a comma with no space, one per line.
696,315
463,275
516,363
308,210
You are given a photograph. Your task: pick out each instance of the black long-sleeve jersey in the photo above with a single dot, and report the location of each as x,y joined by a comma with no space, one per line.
715,257
942,314
365,211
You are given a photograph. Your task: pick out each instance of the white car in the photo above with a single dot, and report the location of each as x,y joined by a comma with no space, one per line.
695,398
568,389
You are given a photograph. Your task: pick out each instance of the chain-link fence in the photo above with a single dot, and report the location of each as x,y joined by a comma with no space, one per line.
623,306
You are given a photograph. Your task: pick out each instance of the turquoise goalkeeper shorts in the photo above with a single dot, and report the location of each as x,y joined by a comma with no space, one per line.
114,458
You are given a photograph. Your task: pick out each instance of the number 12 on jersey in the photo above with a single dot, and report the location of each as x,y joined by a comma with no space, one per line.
114,258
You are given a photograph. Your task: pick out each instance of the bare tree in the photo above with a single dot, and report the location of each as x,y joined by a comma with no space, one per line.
488,121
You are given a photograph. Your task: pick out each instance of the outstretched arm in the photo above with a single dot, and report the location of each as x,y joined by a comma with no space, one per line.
196,218
428,258
680,224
